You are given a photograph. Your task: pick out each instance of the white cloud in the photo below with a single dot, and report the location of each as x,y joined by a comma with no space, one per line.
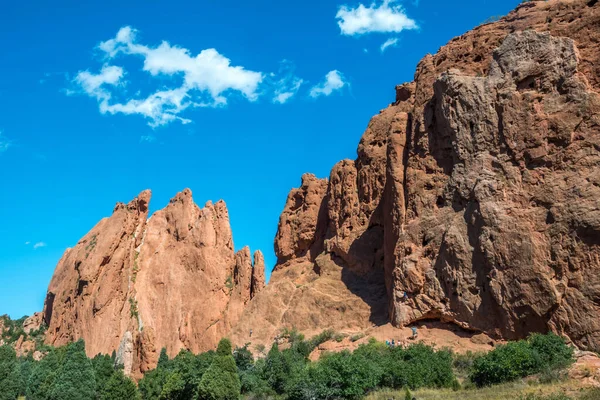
385,18
39,244
92,84
391,42
27,243
187,80
207,79
334,80
286,87
161,107
4,143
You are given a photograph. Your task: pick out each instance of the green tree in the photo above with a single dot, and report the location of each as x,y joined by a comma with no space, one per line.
104,369
163,359
152,383
224,347
221,380
174,388
119,387
10,376
75,378
25,368
282,368
43,375
191,368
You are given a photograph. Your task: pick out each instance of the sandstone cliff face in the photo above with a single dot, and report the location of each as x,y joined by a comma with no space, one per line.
476,193
136,284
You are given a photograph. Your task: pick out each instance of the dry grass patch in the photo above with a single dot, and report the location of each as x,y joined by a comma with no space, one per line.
513,391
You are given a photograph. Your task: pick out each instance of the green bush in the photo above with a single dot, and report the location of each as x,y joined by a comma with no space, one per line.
540,353
341,375
552,349
244,360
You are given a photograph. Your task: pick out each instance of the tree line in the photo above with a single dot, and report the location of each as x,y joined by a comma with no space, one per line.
66,373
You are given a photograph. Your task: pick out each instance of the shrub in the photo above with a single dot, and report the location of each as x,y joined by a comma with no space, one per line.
418,366
321,338
464,362
244,360
540,353
552,349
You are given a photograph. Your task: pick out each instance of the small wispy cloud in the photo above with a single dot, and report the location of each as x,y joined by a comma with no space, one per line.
4,143
39,245
384,18
27,243
287,85
334,80
148,139
391,42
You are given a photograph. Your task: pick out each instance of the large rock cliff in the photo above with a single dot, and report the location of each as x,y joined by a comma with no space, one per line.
474,199
136,284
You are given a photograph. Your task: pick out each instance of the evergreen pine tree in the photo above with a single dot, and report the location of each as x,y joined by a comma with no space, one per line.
75,378
119,387
221,380
104,369
43,374
10,376
174,388
163,359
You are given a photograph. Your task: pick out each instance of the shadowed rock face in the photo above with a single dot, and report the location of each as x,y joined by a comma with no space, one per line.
477,193
137,284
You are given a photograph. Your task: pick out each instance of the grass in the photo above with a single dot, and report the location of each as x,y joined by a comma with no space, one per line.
520,390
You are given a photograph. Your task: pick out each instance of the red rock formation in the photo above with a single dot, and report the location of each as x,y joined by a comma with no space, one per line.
33,323
136,284
258,273
476,193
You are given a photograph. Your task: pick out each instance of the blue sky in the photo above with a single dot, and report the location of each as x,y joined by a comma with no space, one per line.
101,101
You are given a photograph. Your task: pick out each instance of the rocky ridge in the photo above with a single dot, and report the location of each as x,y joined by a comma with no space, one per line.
137,284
